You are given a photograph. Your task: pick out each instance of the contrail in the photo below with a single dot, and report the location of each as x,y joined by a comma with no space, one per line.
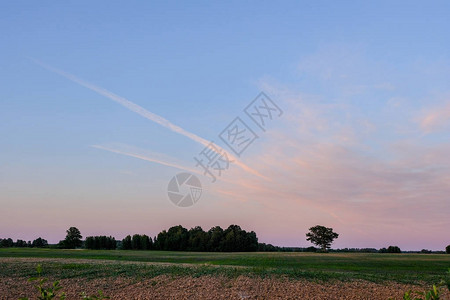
145,113
151,157
145,157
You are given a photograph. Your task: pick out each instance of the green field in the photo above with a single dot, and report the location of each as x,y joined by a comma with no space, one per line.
404,268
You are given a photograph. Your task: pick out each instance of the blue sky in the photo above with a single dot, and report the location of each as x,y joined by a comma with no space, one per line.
376,72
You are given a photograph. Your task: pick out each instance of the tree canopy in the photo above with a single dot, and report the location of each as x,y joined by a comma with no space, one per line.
72,240
232,239
321,236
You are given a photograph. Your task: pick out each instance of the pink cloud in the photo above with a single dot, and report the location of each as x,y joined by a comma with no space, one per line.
435,118
397,195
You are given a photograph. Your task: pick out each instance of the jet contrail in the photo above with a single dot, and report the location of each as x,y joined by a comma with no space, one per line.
145,157
152,157
146,114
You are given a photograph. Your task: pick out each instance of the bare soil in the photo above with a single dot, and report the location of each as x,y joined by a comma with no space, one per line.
212,287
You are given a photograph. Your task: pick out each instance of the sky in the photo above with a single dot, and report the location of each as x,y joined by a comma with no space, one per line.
102,103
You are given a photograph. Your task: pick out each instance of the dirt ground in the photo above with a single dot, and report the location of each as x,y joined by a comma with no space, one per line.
212,287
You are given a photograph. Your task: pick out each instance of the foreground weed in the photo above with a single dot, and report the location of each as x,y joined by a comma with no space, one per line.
46,293
433,294
52,292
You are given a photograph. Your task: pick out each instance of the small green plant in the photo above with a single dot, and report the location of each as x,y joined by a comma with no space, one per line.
433,294
53,291
46,293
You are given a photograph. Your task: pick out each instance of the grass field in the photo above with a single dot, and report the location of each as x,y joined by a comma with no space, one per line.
402,268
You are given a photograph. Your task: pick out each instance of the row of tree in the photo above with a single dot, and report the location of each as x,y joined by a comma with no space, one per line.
100,242
137,242
178,238
37,243
390,249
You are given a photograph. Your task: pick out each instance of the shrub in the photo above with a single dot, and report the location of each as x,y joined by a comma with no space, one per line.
311,249
4,243
40,243
390,249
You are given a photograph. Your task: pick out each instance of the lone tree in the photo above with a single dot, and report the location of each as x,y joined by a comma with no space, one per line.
321,236
447,249
73,239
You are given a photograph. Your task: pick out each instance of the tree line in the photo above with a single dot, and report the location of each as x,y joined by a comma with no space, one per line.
100,242
137,242
37,243
216,239
176,238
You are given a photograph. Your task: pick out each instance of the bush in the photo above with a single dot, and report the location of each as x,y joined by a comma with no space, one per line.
21,244
311,249
390,249
394,249
5,243
262,247
40,243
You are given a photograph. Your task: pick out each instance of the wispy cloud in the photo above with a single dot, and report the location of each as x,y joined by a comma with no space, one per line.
357,163
436,118
146,114
323,168
144,155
